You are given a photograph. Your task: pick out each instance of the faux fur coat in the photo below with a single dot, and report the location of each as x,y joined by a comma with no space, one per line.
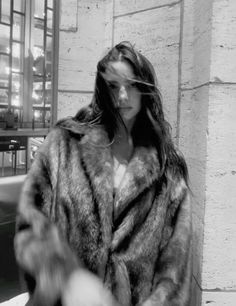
137,240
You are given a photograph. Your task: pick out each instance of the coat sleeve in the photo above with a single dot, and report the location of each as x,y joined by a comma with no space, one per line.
41,252
172,280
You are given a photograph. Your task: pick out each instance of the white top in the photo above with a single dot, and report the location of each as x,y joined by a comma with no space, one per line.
119,171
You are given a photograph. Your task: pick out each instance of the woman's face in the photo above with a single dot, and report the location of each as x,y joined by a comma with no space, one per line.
120,78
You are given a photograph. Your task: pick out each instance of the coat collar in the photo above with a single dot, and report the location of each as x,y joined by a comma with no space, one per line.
142,170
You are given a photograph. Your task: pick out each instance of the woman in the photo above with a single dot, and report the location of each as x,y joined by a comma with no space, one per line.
104,217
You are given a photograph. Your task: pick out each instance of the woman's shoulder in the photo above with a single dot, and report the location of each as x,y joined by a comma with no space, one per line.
61,134
70,125
66,128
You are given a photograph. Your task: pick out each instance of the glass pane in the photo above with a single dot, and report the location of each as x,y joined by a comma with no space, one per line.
49,22
48,116
38,51
2,112
19,5
48,96
38,67
17,82
38,37
18,114
17,57
38,115
39,9
49,57
37,94
4,69
50,3
15,99
34,144
49,48
48,71
39,23
3,97
18,27
4,38
5,14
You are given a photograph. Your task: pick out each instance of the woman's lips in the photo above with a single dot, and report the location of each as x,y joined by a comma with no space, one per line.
124,108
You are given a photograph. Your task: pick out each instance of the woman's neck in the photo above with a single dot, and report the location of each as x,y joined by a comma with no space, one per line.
125,128
122,147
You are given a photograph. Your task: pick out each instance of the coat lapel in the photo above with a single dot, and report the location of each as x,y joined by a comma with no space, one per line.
143,169
98,163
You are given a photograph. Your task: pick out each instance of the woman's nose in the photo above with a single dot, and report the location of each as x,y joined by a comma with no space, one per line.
123,95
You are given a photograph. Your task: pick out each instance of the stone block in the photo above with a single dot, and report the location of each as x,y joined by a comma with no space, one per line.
187,54
218,298
223,64
221,129
193,144
219,252
69,15
196,183
80,51
132,6
70,103
149,32
196,43
193,125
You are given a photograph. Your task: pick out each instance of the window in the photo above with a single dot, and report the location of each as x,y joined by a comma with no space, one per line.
27,56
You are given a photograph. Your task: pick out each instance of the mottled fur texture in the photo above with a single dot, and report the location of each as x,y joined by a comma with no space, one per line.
137,241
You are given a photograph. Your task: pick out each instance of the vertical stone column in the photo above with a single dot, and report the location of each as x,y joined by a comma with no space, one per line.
219,248
193,117
207,132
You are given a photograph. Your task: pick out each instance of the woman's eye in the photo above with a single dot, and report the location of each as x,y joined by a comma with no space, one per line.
112,85
132,85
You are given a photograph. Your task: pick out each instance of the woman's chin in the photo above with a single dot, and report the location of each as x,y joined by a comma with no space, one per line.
128,120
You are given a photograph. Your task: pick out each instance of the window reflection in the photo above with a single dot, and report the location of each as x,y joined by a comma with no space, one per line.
5,11
26,54
19,88
19,5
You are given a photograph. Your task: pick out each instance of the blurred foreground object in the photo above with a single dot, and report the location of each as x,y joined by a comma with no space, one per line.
84,288
19,300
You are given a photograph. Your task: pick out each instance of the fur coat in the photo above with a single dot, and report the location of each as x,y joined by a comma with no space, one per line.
137,240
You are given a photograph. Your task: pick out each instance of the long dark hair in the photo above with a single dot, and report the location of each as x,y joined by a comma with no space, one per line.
150,124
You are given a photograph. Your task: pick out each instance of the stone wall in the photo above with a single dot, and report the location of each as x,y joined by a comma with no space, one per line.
85,34
144,24
89,28
192,45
